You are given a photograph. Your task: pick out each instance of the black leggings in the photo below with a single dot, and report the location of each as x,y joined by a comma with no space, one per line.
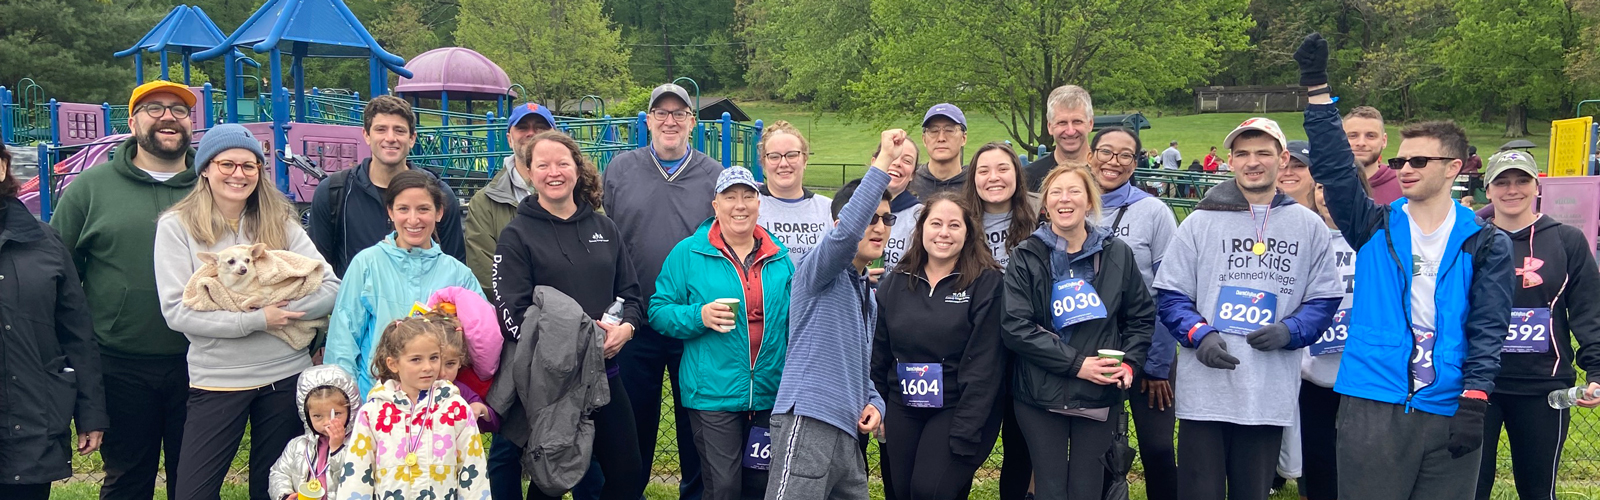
1154,429
615,448
1016,467
1319,444
1219,460
1067,451
1537,433
216,422
919,453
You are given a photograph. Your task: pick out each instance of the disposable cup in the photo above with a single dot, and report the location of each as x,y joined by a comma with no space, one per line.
733,305
1113,354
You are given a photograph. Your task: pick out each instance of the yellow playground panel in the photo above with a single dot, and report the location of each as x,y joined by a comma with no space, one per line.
1570,141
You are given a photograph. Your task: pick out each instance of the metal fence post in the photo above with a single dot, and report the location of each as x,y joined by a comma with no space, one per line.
45,168
755,153
727,140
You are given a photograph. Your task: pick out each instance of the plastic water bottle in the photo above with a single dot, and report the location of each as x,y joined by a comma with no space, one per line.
1562,399
613,315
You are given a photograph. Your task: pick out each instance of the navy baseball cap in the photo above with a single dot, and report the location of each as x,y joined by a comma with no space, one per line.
1300,150
946,110
523,110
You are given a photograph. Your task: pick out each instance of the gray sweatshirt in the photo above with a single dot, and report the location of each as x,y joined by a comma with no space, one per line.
654,210
232,349
996,228
1211,254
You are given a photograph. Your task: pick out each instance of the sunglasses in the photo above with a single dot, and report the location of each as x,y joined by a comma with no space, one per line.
888,219
1416,162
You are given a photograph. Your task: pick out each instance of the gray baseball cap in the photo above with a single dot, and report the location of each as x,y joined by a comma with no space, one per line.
1300,150
671,89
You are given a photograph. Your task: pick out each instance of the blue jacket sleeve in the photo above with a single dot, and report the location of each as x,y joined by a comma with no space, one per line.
1179,314
1334,166
1488,310
1163,349
1308,321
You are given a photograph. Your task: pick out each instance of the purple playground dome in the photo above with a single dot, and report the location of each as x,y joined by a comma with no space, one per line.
456,72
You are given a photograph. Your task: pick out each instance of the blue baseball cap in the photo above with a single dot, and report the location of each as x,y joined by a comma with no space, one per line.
523,110
736,175
946,110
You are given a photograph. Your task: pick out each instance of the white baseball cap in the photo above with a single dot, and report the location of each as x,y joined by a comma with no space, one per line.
1258,123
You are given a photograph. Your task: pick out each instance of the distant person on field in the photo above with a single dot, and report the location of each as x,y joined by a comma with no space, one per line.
348,213
1209,164
1070,111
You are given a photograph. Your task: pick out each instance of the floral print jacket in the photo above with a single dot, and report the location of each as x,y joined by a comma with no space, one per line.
405,451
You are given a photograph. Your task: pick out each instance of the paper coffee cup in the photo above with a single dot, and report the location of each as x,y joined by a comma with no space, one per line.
1113,354
733,305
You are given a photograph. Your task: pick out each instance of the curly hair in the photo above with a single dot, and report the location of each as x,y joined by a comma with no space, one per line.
588,189
393,343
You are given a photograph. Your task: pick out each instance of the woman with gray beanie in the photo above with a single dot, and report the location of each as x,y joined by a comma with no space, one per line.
238,372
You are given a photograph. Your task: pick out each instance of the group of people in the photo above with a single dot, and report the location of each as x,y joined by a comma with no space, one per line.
1324,314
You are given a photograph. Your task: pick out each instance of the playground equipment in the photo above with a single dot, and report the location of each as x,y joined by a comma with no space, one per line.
184,31
462,73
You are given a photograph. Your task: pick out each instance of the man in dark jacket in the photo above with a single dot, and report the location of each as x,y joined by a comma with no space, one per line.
50,366
107,220
1433,298
347,212
1071,114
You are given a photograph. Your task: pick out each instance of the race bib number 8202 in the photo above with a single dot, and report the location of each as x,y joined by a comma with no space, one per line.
1243,310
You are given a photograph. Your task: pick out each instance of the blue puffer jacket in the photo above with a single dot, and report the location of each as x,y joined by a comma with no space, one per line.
380,286
1472,300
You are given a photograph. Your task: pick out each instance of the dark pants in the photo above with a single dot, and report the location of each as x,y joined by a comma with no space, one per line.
615,446
1154,429
643,363
25,491
1074,445
1536,431
146,400
1016,466
925,468
1218,460
812,460
1319,445
1387,453
216,422
722,438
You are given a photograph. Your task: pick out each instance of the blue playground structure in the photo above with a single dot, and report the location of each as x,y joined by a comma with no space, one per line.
323,126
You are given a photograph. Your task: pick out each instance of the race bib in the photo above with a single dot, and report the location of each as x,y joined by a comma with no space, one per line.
1422,355
1243,310
1529,332
1074,301
758,449
1332,339
921,384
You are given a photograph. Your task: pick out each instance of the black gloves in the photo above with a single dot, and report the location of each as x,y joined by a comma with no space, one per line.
1213,352
1466,428
1313,59
1269,338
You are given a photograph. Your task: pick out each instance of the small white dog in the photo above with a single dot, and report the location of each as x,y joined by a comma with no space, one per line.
245,278
237,271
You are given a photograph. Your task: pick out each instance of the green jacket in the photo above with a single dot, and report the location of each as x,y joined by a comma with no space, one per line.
716,372
107,220
487,214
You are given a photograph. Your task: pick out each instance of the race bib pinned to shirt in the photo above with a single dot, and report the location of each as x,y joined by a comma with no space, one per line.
1422,356
921,384
758,449
1242,310
1332,339
1529,331
1074,301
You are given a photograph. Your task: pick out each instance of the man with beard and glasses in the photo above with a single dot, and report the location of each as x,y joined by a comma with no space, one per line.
107,220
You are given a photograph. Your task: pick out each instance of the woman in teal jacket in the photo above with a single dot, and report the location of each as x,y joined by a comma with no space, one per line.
386,279
732,354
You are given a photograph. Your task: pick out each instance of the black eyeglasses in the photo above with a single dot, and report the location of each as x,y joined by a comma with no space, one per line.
1417,162
888,219
1108,155
154,110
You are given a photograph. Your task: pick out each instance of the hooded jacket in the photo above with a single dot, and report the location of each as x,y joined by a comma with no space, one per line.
293,467
381,285
49,364
1472,299
362,202
450,461
1385,185
1047,361
717,372
1569,275
107,219
925,184
490,210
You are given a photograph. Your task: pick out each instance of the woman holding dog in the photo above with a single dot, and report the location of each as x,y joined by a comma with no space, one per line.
242,366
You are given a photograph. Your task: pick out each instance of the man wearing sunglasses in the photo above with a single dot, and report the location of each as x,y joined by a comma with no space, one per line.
107,220
656,194
1432,300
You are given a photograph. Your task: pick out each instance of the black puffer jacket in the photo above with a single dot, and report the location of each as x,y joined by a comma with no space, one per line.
1571,283
1046,372
49,362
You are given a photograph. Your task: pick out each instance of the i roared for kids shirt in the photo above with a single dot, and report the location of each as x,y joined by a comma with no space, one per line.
798,224
1320,364
996,231
1211,261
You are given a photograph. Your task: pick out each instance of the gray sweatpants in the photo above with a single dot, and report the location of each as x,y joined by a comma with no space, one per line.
812,460
1386,453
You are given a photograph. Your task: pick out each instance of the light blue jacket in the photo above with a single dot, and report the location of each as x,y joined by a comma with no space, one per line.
380,286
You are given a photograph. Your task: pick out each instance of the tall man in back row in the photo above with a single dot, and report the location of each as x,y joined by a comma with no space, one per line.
657,196
1432,303
1070,112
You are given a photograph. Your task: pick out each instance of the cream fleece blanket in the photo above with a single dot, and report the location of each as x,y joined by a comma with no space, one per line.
280,276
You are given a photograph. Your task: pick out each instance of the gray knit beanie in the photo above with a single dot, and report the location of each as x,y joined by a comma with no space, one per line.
222,138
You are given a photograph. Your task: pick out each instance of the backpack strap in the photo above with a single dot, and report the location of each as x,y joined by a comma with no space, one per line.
336,196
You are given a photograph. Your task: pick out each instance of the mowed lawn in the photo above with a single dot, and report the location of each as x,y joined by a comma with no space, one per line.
841,148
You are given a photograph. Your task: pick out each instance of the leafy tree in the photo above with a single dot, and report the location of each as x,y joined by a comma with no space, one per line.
557,49
1512,52
811,49
66,46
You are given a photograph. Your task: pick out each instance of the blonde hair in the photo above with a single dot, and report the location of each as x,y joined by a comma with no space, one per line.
1081,170
781,127
266,212
1069,97
451,339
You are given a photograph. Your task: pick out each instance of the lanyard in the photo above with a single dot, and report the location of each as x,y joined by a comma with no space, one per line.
1261,231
